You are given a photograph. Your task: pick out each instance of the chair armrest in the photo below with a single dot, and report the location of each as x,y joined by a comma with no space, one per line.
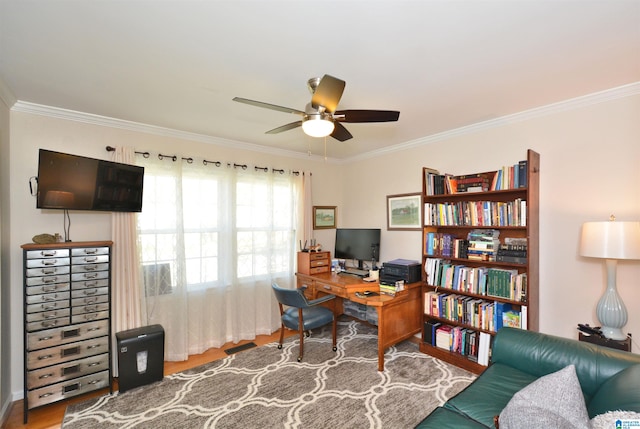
322,299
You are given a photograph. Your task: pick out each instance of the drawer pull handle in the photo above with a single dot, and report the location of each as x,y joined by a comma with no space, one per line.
90,268
93,316
327,287
49,253
48,307
91,291
90,275
90,251
52,315
43,357
48,271
93,346
44,395
90,300
50,262
49,323
93,329
90,284
90,308
48,289
49,280
92,259
50,298
43,376
92,364
45,338
94,382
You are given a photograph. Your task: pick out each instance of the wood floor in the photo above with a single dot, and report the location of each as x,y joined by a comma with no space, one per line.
50,416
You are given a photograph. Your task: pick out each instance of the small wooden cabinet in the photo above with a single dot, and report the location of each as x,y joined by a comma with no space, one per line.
314,262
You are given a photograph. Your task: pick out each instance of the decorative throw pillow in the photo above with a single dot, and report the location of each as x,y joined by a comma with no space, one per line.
552,401
608,420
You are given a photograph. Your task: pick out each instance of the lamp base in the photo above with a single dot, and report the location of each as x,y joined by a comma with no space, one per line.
613,333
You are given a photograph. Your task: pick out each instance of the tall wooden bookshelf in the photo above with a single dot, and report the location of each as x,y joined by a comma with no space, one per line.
447,220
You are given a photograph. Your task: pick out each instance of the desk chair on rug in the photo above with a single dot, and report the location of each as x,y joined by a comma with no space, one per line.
302,314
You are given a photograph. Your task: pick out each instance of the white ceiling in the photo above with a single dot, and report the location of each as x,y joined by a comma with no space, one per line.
442,64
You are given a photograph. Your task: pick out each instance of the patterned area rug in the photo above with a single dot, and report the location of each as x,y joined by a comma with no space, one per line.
266,387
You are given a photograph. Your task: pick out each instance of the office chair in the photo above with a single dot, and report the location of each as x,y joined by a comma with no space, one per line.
302,314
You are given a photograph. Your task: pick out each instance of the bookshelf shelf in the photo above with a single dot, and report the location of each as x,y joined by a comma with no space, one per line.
449,298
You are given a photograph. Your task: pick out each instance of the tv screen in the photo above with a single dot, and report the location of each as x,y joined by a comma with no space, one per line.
73,182
357,243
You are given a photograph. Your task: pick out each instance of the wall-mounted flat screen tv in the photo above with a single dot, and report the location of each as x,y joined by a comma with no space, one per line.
73,182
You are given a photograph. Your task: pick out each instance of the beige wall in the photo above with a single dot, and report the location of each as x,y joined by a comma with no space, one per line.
589,155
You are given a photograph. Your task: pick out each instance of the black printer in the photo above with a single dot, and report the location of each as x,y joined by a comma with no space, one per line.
400,269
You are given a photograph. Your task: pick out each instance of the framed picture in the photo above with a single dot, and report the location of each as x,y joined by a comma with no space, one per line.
404,212
324,217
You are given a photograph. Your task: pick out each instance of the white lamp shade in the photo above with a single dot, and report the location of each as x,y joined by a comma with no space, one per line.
610,240
317,126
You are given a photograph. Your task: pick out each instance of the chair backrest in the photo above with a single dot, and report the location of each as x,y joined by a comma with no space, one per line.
290,297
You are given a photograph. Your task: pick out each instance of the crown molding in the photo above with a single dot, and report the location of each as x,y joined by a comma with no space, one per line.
571,104
88,118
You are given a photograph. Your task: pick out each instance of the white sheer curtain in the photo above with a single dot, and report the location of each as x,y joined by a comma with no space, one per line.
127,304
212,240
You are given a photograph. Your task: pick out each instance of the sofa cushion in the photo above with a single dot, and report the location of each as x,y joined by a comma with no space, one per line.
485,398
620,392
442,418
552,401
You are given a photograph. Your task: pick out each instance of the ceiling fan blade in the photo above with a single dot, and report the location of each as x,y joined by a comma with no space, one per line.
268,106
340,133
285,128
355,116
328,93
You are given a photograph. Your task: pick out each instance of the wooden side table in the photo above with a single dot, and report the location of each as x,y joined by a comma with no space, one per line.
624,345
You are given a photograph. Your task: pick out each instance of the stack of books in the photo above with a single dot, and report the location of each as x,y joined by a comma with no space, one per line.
483,244
388,288
514,251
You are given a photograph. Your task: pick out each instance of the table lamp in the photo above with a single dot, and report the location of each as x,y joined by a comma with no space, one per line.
611,240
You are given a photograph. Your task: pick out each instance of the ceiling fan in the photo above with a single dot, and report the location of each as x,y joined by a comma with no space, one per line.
320,117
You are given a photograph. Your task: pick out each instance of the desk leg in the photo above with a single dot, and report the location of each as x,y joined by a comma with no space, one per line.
381,338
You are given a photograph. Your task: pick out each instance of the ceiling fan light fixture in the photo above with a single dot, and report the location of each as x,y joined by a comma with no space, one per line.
318,125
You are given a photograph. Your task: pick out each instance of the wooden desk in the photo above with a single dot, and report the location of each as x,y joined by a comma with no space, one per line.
399,317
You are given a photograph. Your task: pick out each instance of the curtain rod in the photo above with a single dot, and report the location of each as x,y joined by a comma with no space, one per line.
206,162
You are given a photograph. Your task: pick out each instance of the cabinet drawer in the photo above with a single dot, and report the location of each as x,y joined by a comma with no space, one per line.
83,251
47,288
68,334
89,300
318,270
67,352
47,315
54,270
47,306
47,297
50,262
91,308
67,389
319,263
89,292
87,268
47,280
47,253
90,284
97,275
329,288
90,259
88,317
47,323
318,256
68,370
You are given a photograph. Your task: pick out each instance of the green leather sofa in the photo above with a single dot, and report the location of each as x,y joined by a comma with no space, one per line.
520,357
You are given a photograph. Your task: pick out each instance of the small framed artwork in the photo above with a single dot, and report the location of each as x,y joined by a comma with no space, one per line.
404,212
324,217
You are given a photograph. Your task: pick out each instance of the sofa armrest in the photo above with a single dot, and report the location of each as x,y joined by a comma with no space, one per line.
541,354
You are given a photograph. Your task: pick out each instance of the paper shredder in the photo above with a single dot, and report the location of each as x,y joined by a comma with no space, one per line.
140,356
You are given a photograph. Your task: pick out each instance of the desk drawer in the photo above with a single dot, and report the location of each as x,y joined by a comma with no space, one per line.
329,288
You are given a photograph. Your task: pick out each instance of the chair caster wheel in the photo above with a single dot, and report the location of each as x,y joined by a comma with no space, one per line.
279,346
335,349
307,334
299,359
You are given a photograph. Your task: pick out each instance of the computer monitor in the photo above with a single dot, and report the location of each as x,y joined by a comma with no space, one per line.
361,244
